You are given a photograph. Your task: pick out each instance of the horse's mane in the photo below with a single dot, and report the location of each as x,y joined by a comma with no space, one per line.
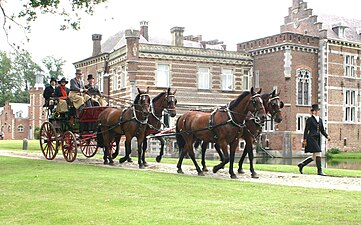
235,102
156,98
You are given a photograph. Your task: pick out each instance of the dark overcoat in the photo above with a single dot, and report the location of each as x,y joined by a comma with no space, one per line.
58,92
48,92
312,134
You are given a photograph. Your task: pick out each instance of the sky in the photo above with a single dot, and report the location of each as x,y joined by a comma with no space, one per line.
231,21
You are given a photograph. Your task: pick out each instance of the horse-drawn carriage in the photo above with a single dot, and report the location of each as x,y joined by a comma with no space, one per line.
70,134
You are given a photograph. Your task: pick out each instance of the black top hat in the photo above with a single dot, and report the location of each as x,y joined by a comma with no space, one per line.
90,76
63,80
315,107
52,79
78,71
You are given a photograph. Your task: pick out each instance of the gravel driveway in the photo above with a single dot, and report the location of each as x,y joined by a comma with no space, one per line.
290,179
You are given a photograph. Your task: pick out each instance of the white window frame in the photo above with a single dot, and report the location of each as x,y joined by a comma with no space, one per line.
269,125
246,79
122,78
115,80
350,66
204,78
100,81
163,75
301,122
256,79
20,128
227,78
303,77
350,106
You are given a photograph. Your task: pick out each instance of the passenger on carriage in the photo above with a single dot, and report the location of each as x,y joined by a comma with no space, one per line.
62,92
77,91
49,92
97,98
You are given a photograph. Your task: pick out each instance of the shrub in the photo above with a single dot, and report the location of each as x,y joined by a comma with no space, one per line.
37,133
331,152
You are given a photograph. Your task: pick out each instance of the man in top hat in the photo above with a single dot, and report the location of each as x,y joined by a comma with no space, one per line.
312,139
78,92
49,93
96,96
62,92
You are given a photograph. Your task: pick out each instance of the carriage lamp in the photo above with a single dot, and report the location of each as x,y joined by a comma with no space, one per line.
342,86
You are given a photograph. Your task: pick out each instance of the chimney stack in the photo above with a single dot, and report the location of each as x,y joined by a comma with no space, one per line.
97,49
144,29
177,36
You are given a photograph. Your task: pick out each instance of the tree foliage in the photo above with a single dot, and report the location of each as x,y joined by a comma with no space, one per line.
69,10
18,74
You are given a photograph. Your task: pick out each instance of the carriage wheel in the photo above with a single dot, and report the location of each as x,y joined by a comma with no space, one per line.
69,146
48,140
88,147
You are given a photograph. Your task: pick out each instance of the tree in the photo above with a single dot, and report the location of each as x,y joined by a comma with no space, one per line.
24,70
7,82
28,12
54,68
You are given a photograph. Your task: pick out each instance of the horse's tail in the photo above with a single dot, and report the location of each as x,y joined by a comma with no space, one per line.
100,139
180,140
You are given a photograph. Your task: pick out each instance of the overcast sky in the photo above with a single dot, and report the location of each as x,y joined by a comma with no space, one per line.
231,21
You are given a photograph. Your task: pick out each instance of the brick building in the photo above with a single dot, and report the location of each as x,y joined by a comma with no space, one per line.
19,120
204,73
314,59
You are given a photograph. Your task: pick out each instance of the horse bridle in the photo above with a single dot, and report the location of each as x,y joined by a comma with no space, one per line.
254,103
270,101
142,97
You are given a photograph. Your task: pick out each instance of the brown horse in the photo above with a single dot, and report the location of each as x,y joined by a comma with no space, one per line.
253,129
131,122
164,101
222,126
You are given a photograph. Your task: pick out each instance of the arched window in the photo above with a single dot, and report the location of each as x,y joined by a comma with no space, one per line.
20,128
303,87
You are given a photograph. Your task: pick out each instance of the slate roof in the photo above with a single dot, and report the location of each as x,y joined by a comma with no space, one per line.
352,32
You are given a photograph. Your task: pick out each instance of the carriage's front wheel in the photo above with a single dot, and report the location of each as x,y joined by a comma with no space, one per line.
69,146
48,140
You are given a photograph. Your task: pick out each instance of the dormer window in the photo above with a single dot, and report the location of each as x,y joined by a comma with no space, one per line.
339,29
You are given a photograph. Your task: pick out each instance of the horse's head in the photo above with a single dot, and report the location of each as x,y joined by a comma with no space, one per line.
256,106
171,102
142,102
273,105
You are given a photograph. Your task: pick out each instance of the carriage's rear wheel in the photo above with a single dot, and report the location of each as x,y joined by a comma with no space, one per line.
88,146
69,146
48,140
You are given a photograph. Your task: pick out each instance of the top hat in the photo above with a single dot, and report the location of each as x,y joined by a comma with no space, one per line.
52,79
78,71
90,76
63,80
315,107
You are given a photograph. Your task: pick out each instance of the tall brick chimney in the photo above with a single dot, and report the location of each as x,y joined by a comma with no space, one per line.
97,48
177,36
144,29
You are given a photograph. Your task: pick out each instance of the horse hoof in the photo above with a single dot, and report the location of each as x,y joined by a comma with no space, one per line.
158,159
141,166
111,163
240,170
233,176
215,170
122,160
114,156
254,175
105,163
145,164
130,160
180,171
205,169
201,174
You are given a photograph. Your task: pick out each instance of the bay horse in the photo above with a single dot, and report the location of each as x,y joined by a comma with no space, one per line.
223,126
252,131
164,101
131,122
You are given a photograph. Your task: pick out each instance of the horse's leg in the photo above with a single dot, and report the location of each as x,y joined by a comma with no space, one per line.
218,149
249,147
144,147
107,155
140,150
203,162
116,153
193,157
224,147
127,151
233,146
183,152
159,157
241,160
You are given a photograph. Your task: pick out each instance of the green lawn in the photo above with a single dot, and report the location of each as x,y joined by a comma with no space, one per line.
47,192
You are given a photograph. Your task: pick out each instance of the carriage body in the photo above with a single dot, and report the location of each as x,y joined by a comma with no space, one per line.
70,133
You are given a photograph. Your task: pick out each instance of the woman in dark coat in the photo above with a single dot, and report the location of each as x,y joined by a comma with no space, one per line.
312,139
